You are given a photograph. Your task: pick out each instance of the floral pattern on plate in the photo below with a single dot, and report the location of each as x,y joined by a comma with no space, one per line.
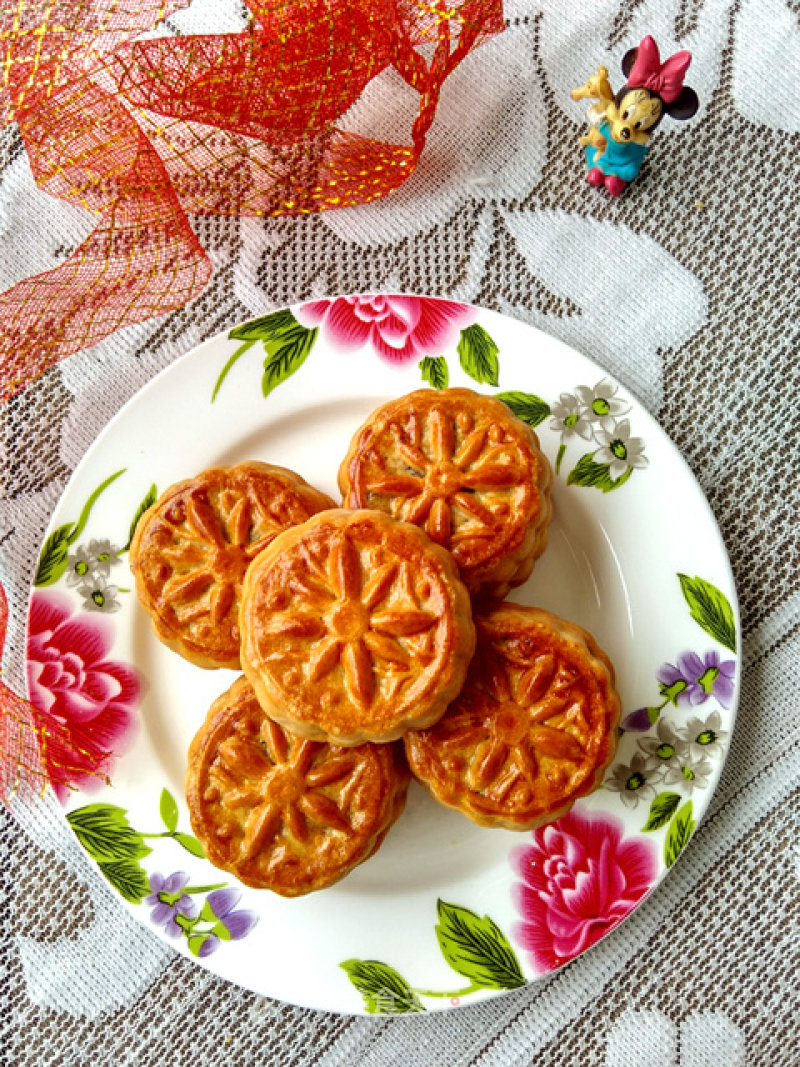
552,894
580,877
87,700
118,849
472,945
413,329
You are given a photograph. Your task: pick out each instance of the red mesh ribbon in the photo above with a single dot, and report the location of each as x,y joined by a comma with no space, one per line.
142,132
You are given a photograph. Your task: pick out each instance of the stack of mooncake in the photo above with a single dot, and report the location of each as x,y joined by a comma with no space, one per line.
374,642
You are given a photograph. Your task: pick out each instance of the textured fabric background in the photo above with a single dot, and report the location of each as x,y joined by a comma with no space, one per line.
686,290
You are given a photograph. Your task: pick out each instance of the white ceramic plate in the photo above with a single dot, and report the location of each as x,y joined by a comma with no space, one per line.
447,912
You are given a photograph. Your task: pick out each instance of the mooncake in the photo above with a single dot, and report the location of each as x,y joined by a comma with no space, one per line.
466,470
281,812
355,628
192,547
533,729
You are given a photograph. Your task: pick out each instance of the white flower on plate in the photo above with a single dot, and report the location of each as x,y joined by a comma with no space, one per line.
619,450
95,560
704,737
633,781
600,404
569,419
666,745
690,773
98,595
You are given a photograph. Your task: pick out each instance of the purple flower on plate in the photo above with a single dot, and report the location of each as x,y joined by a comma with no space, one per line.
168,900
231,924
695,678
641,719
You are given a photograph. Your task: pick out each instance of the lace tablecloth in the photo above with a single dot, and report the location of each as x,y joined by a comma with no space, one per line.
685,289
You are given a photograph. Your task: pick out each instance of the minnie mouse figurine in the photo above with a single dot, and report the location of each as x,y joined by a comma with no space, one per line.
623,123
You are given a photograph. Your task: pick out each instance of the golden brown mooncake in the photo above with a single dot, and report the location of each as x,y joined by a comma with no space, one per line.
465,469
355,628
281,812
191,549
534,728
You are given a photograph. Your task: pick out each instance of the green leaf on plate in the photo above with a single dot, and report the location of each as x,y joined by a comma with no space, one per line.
191,844
595,475
711,609
104,832
285,341
265,327
207,913
662,808
230,362
286,353
477,353
434,371
148,500
54,555
477,948
128,878
385,992
168,808
526,406
55,551
83,518
680,830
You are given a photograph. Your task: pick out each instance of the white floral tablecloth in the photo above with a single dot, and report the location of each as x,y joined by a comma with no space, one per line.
685,289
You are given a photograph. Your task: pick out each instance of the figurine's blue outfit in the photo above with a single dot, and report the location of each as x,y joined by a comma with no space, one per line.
621,158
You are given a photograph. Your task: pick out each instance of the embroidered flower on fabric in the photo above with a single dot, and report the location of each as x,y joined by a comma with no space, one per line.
651,1038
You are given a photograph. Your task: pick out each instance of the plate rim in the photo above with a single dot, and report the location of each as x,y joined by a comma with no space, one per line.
652,427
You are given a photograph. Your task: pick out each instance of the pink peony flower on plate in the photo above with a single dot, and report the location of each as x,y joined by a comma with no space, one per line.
579,879
86,702
400,328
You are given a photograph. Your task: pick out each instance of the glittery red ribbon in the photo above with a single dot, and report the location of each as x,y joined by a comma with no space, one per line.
142,132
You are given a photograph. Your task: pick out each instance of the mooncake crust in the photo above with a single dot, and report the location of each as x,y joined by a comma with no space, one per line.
533,729
191,549
281,812
464,468
355,628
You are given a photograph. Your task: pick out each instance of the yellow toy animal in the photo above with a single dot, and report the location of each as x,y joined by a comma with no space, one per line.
598,88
